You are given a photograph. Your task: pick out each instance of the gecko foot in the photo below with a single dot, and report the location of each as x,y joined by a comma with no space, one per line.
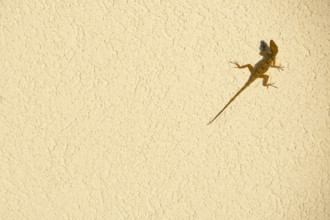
271,84
280,67
235,62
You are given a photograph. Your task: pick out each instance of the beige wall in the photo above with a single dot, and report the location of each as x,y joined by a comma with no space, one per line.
104,107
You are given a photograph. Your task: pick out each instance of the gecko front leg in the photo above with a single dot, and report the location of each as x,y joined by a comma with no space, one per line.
251,68
280,67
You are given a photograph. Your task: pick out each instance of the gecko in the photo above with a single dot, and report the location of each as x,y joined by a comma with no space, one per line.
257,72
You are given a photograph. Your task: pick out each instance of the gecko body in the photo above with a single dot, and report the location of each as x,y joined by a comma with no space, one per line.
258,72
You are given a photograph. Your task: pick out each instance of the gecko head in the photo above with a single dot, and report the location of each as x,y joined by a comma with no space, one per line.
273,47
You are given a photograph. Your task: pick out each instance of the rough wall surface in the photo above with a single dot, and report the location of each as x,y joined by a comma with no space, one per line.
104,106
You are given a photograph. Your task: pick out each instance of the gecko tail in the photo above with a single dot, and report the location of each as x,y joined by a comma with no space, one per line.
220,112
232,99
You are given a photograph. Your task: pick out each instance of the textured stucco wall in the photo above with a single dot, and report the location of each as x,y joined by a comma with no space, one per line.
104,107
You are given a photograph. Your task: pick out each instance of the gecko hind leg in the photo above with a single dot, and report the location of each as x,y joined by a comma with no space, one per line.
265,81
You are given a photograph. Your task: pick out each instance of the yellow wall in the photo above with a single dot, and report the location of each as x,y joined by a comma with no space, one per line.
104,106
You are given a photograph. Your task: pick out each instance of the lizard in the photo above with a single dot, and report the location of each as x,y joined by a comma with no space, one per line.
257,72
